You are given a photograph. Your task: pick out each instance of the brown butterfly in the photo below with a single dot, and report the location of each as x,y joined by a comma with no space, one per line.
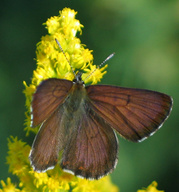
81,122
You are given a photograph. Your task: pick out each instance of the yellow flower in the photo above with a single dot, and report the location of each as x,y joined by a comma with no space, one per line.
103,184
9,187
17,156
93,74
151,188
52,24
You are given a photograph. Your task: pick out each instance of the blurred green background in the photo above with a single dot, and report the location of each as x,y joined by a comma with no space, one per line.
143,34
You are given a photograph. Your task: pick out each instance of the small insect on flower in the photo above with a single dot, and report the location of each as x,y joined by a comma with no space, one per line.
81,122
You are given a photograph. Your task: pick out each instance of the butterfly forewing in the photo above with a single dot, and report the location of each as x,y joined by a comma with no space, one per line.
48,96
133,113
92,149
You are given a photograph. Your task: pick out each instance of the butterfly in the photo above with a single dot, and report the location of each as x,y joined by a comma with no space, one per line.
81,122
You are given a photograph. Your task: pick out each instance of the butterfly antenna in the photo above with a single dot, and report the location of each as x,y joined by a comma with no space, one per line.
65,56
99,66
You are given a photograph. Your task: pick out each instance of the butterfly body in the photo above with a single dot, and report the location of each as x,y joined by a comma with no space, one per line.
80,121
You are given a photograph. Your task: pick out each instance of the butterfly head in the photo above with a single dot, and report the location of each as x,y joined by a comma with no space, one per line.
78,79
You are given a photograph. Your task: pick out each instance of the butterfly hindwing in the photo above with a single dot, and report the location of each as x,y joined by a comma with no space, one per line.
91,151
48,142
133,113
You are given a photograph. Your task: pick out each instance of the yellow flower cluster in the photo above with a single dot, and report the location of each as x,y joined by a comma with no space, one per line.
9,187
53,180
151,188
51,62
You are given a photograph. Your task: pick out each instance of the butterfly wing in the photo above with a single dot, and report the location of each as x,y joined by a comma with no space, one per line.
91,151
48,96
47,109
133,113
48,142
